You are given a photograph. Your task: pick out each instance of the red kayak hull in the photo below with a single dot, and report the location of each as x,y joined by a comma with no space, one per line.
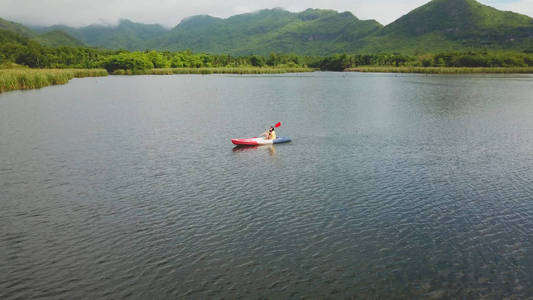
259,141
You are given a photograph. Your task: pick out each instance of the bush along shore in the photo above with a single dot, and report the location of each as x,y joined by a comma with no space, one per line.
220,70
26,65
478,62
443,70
20,79
25,78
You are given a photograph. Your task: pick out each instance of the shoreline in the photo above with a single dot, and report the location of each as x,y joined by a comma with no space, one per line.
25,78
443,70
214,70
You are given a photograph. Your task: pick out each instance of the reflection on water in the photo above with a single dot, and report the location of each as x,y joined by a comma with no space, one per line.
395,186
271,149
246,148
258,152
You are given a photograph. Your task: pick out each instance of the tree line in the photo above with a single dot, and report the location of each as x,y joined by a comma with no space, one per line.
470,59
14,49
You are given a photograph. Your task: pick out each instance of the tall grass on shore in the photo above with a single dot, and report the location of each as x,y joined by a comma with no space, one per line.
219,70
443,70
20,79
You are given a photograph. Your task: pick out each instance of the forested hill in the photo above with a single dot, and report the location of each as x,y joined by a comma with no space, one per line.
440,25
15,28
51,38
443,25
126,35
311,32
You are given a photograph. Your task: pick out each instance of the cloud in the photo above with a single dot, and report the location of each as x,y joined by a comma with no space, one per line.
524,6
170,12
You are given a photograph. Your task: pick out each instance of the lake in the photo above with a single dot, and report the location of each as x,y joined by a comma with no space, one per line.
394,186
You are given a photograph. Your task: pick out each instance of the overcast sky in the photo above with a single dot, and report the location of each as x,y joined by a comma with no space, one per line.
170,12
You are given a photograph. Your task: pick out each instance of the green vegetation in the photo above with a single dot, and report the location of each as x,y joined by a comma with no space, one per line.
35,55
18,49
438,26
311,32
23,51
429,62
451,25
126,35
219,70
19,79
57,65
15,28
443,70
50,38
57,39
143,62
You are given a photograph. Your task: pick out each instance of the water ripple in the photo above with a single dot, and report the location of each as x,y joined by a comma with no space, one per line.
420,190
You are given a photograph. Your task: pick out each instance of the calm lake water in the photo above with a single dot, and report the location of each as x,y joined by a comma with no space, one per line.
395,186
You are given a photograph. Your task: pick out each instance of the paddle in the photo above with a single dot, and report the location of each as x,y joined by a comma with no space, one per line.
277,125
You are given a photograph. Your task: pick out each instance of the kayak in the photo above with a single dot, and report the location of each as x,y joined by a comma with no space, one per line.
259,141
256,141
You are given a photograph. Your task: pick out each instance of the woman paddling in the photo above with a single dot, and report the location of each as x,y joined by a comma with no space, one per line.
270,134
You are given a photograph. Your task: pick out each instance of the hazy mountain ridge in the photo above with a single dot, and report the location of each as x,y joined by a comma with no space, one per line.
25,34
58,38
126,35
15,27
439,25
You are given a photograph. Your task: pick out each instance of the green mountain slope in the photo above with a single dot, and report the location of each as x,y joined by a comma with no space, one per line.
453,25
440,25
7,36
271,30
14,32
57,38
16,28
126,35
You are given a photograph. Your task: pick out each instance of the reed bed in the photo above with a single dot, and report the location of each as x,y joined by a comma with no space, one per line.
444,70
21,79
205,71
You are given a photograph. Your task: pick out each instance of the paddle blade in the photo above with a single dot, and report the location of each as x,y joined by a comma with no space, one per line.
278,125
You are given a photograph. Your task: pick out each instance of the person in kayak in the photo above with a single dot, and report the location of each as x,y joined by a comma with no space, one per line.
270,134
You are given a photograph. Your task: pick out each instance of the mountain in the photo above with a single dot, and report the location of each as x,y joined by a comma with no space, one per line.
16,28
15,32
7,36
453,25
126,35
311,32
57,38
439,25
